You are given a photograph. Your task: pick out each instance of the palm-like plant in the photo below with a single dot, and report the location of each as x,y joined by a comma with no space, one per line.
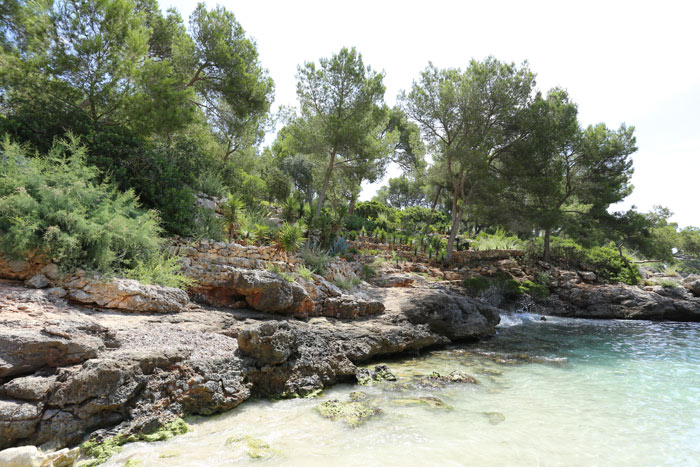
291,237
232,211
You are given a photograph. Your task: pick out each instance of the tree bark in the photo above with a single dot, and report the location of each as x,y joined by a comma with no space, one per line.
432,211
456,219
547,235
326,180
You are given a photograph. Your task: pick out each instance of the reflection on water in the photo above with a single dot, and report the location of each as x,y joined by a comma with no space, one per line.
555,392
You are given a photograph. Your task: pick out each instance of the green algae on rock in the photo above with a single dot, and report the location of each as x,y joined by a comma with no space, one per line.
380,373
255,448
98,451
353,413
494,417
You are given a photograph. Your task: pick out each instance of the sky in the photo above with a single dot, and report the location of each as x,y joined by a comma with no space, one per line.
633,62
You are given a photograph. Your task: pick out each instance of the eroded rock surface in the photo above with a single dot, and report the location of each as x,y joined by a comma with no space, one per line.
69,371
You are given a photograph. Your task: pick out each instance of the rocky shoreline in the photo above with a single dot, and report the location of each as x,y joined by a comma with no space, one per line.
101,357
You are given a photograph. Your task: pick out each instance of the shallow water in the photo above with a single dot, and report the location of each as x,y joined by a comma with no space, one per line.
556,392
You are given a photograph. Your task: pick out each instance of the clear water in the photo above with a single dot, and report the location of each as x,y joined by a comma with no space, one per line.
556,392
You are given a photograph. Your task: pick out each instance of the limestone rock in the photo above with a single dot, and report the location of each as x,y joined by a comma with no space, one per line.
23,456
27,350
18,419
269,343
692,283
38,281
125,294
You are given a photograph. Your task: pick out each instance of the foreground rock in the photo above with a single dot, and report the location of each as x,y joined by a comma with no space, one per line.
68,371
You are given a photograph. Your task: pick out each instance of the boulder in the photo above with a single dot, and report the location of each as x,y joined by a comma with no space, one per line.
18,420
125,294
38,281
268,343
23,456
692,283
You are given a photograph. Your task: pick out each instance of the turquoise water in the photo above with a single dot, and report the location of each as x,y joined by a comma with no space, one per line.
556,392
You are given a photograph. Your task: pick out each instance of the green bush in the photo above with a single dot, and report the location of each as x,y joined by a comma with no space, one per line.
161,269
476,284
535,290
291,237
55,206
498,240
368,272
316,259
304,272
611,267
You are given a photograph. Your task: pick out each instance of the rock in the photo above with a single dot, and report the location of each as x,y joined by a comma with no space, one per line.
692,283
253,447
451,315
20,269
269,343
57,292
125,294
380,373
350,307
27,350
18,420
352,413
31,388
494,417
38,281
23,456
588,276
426,401
620,301
395,280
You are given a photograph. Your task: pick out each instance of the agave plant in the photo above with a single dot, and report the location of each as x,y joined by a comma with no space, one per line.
232,211
291,237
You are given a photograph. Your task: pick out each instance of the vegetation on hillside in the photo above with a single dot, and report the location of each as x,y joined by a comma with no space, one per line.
115,114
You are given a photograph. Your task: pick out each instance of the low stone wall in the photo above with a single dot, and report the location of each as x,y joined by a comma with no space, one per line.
197,254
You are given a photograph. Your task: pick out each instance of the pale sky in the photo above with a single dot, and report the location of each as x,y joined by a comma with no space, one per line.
621,61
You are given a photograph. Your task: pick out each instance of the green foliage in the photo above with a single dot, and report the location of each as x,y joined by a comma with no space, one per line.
304,272
338,246
316,259
232,210
291,209
55,206
499,240
345,283
161,269
535,290
211,183
291,237
605,261
666,283
476,284
612,267
368,272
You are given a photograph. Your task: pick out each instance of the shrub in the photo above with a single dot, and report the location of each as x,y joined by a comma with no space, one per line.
535,290
291,208
291,237
316,259
161,269
666,283
344,283
476,284
368,272
54,206
499,240
338,246
611,267
304,272
210,182
232,209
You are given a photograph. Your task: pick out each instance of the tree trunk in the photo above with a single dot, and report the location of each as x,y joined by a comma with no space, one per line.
456,219
547,235
432,210
351,208
326,180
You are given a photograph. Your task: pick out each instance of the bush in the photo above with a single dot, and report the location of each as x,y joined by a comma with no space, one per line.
499,240
338,246
368,272
304,272
291,237
161,269
535,290
611,267
55,206
316,259
476,284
